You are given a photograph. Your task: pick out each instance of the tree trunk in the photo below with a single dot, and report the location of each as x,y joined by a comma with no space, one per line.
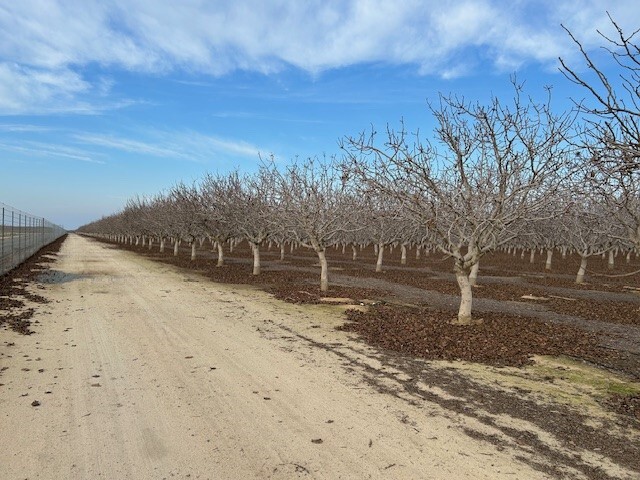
144,241
220,254
324,271
628,257
282,251
473,276
581,270
161,244
344,248
418,252
256,258
466,300
355,252
380,255
176,245
532,255
193,250
611,261
150,243
403,254
137,240
547,265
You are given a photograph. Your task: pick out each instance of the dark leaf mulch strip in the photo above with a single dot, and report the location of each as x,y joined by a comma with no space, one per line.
625,405
13,288
500,340
603,311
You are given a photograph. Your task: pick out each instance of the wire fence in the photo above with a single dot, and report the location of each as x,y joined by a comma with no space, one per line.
22,235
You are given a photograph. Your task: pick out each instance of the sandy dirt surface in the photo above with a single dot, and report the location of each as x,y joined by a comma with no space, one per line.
139,370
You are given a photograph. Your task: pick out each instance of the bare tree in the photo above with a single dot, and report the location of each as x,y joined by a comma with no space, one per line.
316,206
497,167
613,112
251,202
587,229
218,210
188,214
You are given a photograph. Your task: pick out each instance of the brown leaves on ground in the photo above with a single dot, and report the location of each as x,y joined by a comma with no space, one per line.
500,340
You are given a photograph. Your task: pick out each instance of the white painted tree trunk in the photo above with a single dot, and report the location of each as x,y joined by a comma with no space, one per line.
628,257
466,300
473,276
161,244
150,243
354,251
137,240
193,250
220,254
581,270
282,251
144,241
611,261
256,258
547,264
324,271
403,254
418,252
344,248
380,255
176,245
532,255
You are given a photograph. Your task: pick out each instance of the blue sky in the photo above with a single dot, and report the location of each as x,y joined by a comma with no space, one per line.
105,99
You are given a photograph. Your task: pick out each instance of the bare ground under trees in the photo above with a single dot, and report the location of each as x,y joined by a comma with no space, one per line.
554,376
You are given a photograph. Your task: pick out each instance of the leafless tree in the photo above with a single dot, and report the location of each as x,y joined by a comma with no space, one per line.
497,166
188,214
317,206
612,112
613,107
218,210
587,229
251,208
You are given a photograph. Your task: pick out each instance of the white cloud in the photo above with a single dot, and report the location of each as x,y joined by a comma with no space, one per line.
191,146
46,45
42,149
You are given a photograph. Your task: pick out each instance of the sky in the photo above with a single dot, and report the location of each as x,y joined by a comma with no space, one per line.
102,100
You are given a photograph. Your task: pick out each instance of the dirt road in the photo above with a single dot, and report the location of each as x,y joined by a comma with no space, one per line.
143,371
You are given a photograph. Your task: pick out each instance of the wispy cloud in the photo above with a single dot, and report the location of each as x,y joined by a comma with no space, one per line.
41,149
19,127
190,146
46,46
258,116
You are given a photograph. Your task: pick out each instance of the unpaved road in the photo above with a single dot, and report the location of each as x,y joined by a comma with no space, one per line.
143,371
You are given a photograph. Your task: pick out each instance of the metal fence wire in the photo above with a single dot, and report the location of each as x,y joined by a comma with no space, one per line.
22,235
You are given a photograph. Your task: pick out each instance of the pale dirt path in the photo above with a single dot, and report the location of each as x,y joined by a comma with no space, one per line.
155,373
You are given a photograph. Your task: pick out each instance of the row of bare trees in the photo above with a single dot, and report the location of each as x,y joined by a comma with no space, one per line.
501,175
